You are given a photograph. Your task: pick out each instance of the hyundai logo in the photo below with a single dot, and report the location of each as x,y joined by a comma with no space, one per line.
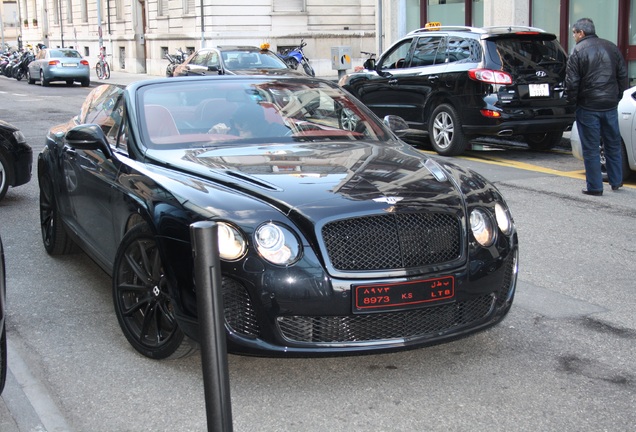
541,74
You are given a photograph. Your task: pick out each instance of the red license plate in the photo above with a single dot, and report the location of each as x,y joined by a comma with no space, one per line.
402,295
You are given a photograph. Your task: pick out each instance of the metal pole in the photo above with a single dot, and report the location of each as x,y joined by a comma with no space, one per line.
207,277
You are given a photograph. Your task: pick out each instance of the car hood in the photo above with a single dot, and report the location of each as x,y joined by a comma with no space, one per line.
342,177
7,126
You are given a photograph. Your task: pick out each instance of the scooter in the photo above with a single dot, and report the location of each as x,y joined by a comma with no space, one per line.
175,60
19,69
295,56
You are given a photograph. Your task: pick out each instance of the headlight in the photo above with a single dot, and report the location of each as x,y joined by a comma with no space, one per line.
503,219
232,244
277,244
481,226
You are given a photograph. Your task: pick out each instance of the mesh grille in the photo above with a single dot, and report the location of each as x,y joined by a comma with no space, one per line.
392,241
239,310
507,284
419,323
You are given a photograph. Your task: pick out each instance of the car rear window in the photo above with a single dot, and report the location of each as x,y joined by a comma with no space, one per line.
518,55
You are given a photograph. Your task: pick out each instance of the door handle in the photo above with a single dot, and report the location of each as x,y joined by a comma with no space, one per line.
433,77
393,81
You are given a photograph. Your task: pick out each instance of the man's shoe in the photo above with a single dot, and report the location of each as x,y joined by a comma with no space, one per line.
615,188
589,192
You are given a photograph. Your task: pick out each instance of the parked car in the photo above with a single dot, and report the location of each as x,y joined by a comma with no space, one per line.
233,60
331,240
59,64
456,83
16,158
627,125
3,330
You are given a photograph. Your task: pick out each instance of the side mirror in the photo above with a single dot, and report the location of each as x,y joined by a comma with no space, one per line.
369,64
397,125
88,137
213,69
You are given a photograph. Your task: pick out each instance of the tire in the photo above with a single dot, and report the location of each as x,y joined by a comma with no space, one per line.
54,236
29,78
142,299
3,358
4,176
445,131
308,69
86,82
19,74
43,81
625,169
543,141
106,70
292,63
99,70
69,82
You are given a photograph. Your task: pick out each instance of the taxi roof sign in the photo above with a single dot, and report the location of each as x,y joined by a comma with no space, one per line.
433,25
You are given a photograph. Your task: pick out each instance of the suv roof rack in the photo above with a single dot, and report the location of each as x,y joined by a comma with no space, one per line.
514,28
445,28
481,30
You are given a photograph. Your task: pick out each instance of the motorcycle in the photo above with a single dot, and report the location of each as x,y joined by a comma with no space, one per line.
175,60
20,68
295,56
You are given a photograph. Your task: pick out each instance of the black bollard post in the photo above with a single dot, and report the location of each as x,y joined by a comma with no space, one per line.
207,274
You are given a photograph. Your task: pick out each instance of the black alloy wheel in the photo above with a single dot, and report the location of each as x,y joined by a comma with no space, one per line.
3,358
141,295
54,236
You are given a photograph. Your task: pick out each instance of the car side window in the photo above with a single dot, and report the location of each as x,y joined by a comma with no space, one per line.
429,50
213,60
396,58
463,50
200,59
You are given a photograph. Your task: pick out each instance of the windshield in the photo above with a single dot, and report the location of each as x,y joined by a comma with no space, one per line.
202,113
243,59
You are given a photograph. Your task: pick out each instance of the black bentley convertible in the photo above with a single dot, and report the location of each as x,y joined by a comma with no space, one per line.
334,235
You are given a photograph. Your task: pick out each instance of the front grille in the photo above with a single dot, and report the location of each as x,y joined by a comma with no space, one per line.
508,281
419,323
392,241
239,311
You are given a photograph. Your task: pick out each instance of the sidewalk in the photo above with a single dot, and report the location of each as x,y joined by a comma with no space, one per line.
121,78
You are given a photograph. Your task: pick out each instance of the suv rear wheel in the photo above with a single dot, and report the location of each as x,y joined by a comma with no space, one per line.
445,133
543,141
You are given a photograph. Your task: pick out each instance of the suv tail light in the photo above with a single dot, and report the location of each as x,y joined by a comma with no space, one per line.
490,76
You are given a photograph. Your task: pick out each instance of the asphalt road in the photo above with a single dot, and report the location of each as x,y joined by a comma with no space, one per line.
563,360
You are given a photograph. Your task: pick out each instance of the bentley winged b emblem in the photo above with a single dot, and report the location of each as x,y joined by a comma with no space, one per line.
388,200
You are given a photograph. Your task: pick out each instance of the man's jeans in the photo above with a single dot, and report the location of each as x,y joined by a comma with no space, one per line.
592,126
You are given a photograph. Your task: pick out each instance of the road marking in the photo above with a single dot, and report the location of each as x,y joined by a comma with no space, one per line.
578,174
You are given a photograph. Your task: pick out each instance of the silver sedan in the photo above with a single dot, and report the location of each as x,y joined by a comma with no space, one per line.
59,64
627,125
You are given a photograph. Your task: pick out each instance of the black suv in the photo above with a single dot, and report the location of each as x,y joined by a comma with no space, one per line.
457,83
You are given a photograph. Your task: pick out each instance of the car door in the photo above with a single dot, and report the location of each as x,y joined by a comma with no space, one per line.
90,176
404,78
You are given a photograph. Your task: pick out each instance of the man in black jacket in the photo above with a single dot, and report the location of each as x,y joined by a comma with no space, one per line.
595,80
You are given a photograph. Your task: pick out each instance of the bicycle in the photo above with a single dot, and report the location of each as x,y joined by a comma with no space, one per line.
102,67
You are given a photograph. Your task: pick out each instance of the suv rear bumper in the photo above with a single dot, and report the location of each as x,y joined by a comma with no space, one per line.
519,127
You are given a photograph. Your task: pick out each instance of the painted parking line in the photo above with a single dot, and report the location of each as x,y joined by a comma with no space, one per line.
578,174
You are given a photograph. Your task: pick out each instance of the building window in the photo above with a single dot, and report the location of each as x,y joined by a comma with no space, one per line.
448,12
288,5
84,11
188,7
119,10
69,11
163,8
603,13
546,15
